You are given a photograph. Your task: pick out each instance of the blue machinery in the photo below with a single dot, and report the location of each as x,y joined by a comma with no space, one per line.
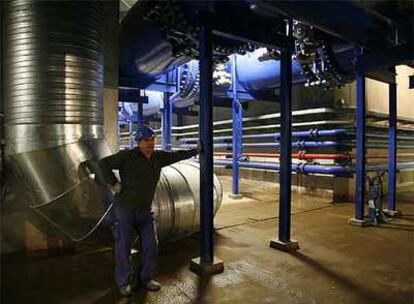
324,62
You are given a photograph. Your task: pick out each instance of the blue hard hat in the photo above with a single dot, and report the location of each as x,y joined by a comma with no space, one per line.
144,132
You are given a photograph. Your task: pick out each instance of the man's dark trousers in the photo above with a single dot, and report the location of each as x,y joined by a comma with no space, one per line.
143,222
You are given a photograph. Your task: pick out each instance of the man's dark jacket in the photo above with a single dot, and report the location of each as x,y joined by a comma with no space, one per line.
139,175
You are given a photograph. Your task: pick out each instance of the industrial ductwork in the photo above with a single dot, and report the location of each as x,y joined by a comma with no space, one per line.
157,37
177,199
53,88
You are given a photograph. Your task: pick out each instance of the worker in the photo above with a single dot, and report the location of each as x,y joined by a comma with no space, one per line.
139,171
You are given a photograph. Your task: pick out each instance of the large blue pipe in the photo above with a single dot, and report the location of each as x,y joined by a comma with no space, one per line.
257,78
276,136
254,75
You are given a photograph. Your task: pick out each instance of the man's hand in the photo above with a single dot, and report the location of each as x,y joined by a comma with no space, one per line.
116,188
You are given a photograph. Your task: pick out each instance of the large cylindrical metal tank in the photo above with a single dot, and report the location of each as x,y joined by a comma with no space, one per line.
53,102
177,200
53,73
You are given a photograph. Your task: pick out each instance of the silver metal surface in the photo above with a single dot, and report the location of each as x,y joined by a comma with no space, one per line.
177,200
53,102
53,73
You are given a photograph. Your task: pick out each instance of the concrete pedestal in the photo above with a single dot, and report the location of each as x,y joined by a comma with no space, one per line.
290,246
203,268
236,196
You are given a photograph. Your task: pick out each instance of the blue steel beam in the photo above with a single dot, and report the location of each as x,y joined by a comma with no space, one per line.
237,129
206,135
360,148
285,141
166,123
392,147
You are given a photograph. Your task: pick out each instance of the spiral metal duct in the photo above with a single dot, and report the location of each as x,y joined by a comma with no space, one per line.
53,88
53,73
177,200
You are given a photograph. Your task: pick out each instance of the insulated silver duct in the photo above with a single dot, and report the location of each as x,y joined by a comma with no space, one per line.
53,73
53,89
177,200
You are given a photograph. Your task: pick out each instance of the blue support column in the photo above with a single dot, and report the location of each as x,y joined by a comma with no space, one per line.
360,149
392,149
166,123
140,111
131,133
206,263
360,153
284,242
180,120
237,115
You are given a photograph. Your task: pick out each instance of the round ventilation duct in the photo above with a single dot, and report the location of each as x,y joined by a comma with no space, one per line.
53,93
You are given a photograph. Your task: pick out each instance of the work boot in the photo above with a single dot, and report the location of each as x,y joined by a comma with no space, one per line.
151,285
126,290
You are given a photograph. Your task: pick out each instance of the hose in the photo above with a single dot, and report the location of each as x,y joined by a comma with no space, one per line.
57,226
77,239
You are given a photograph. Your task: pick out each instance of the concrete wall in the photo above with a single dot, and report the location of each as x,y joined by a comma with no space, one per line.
321,186
377,94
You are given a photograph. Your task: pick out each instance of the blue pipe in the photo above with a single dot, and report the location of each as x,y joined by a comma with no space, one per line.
255,75
297,144
276,136
309,168
299,168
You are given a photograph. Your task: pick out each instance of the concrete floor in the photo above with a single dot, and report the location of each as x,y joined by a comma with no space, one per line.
337,263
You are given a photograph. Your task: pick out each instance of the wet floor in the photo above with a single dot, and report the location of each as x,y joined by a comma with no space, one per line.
337,263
